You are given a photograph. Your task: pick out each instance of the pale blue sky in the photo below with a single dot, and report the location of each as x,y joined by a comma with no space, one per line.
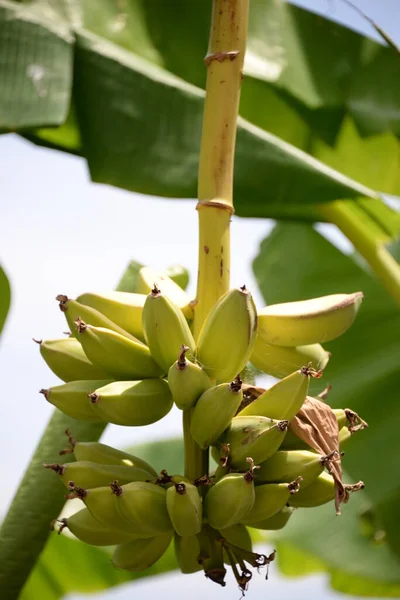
62,234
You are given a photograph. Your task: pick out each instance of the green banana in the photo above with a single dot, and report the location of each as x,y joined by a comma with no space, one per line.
344,435
122,308
107,455
143,506
321,491
286,465
148,277
293,442
269,499
228,335
91,531
230,499
184,506
90,475
67,360
277,521
238,535
309,321
280,361
187,551
257,437
72,398
123,357
102,505
284,399
138,555
74,310
165,329
341,417
214,411
132,403
187,381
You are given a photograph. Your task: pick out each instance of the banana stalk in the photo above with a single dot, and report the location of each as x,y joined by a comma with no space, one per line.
224,62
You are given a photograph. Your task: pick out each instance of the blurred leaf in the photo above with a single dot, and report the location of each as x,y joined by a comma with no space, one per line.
320,543
162,454
36,75
67,566
138,99
364,369
5,298
372,161
38,500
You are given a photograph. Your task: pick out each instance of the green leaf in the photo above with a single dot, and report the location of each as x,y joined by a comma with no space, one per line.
5,298
372,161
162,454
364,369
68,566
35,66
127,73
38,500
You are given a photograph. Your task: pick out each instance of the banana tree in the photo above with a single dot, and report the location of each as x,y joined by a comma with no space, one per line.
317,141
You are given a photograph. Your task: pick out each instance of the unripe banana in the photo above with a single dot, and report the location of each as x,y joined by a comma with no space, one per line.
91,531
341,417
146,279
90,475
187,551
285,465
277,521
102,505
238,535
143,506
293,442
165,329
230,499
122,308
187,381
309,321
321,491
184,507
107,455
123,357
214,411
284,399
228,335
269,499
132,403
72,398
280,361
257,437
67,360
138,555
344,435
74,310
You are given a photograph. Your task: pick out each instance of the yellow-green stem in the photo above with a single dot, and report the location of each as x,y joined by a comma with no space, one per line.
371,245
224,62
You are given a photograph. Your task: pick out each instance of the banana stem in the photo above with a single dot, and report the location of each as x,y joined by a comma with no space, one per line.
368,240
224,62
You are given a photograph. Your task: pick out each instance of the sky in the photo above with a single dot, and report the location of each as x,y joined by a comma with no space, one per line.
62,234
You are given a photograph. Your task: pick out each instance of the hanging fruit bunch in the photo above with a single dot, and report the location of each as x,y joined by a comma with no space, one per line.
131,356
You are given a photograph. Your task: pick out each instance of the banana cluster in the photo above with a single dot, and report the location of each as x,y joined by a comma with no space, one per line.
130,356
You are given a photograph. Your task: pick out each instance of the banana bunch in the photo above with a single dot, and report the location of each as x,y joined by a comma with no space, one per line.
129,357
